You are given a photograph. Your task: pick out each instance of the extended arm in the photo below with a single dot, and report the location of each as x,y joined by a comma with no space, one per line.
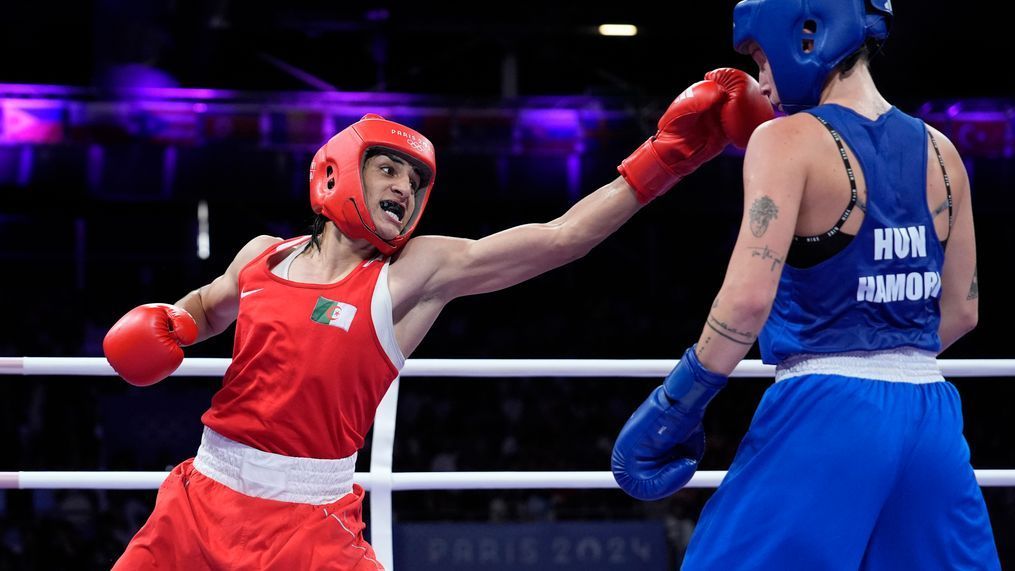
696,127
517,254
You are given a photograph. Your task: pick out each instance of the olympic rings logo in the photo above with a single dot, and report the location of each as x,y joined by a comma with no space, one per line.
421,146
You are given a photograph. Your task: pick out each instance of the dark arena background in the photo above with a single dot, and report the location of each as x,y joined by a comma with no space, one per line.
142,143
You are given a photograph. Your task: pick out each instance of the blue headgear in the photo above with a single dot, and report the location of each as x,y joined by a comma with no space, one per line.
836,28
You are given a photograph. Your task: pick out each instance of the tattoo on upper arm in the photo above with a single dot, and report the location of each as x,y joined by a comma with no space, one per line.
974,288
941,208
731,333
762,212
765,254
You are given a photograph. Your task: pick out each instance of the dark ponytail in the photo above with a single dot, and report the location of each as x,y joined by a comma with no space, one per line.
317,230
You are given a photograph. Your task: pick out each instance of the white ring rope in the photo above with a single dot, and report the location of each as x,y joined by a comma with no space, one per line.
382,480
464,368
97,366
401,481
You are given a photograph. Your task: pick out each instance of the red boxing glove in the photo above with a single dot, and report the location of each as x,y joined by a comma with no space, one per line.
689,135
698,125
745,107
144,345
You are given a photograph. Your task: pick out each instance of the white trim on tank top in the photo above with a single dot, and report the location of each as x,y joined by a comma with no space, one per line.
282,268
384,326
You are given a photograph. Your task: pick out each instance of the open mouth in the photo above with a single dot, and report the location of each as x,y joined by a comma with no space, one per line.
393,209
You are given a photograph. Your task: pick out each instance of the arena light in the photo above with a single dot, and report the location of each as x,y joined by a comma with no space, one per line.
618,30
203,240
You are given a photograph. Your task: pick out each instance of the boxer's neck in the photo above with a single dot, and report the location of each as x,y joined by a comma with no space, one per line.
855,89
337,256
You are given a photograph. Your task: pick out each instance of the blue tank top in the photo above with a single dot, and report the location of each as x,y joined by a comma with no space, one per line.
883,290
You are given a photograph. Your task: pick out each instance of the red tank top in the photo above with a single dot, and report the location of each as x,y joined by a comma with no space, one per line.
309,361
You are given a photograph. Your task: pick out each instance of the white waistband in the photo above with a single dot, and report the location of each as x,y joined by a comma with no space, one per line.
271,476
902,365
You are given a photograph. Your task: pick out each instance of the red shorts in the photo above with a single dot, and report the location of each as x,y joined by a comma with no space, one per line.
200,524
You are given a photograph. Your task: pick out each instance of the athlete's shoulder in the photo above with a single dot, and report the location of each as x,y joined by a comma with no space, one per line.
263,241
947,147
259,244
792,132
254,248
414,268
792,141
954,166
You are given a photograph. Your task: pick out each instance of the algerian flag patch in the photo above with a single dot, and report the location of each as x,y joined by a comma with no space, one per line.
334,313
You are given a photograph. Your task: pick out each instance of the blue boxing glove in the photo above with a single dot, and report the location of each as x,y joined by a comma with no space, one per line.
659,448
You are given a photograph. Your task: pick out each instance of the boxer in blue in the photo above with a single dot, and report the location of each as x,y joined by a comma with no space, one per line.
856,261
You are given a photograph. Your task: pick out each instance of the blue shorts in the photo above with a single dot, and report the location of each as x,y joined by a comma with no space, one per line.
840,472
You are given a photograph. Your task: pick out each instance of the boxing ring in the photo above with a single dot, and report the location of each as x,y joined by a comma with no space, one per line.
381,480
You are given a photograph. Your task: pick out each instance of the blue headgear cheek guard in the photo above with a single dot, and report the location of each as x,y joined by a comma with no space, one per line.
805,39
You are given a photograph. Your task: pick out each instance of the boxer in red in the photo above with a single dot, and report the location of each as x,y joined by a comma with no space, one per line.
324,323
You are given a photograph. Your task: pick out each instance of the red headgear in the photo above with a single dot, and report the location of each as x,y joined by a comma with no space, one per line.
336,181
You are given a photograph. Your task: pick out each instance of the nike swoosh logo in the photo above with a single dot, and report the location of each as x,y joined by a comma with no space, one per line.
246,293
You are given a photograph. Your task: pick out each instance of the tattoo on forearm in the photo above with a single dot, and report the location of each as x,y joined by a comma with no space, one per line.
765,254
731,333
974,288
762,212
